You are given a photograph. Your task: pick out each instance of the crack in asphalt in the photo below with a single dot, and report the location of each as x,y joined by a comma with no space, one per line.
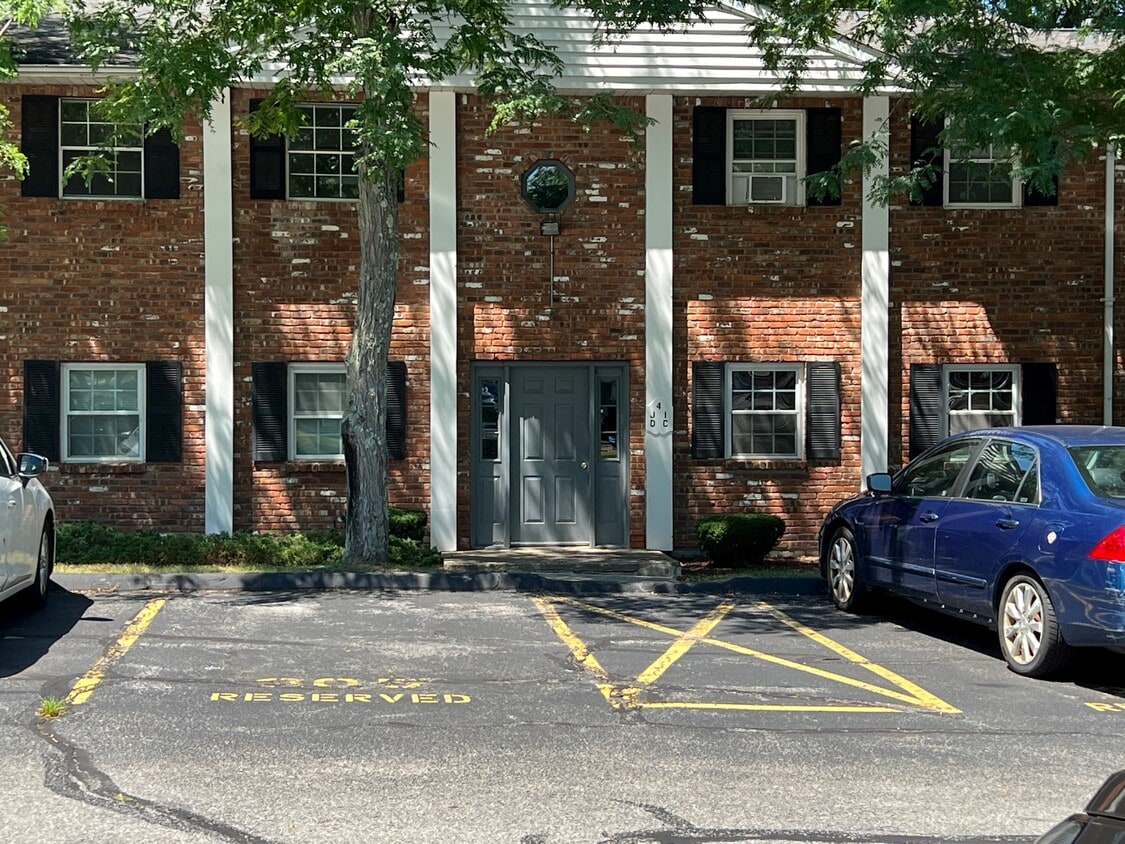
72,774
683,831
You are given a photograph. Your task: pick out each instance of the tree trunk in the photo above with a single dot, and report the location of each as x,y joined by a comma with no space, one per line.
365,422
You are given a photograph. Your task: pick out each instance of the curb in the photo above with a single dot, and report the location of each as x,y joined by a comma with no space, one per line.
510,581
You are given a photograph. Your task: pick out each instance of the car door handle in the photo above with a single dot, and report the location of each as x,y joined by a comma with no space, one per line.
928,517
1007,524
12,502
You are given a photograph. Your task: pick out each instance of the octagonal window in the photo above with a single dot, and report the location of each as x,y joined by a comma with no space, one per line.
548,186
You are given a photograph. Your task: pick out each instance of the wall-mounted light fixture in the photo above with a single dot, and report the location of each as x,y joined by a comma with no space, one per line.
548,187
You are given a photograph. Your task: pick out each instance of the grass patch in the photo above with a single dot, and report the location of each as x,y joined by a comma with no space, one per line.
51,707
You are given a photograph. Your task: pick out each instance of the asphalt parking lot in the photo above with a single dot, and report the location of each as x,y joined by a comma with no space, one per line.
537,717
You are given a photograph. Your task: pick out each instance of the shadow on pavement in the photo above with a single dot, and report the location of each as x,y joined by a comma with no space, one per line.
27,635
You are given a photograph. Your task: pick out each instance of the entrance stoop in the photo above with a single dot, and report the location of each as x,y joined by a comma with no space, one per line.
579,560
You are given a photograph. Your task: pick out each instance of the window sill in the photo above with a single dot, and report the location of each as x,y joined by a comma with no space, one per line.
102,468
312,467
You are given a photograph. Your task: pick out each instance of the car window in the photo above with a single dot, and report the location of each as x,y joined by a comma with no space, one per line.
936,474
1103,468
1002,473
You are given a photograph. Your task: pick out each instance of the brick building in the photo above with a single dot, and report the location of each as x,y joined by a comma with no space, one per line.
698,336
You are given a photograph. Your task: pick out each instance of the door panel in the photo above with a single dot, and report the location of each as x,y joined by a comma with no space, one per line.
552,468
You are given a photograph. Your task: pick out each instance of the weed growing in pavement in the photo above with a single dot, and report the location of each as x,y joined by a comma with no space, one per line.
51,707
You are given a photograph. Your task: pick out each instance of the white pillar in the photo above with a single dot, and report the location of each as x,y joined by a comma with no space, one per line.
443,320
875,301
658,419
218,256
1109,355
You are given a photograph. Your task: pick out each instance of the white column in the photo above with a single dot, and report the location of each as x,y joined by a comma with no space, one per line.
875,301
658,419
1108,355
443,320
218,255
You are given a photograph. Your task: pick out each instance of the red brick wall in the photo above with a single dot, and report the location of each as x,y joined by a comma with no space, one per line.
505,311
295,287
108,281
999,286
764,284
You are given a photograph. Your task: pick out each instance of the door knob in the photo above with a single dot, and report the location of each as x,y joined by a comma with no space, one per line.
584,465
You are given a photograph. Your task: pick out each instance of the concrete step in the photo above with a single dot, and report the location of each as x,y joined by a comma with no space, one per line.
562,559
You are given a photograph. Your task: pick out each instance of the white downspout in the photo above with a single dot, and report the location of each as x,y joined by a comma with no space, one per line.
1110,226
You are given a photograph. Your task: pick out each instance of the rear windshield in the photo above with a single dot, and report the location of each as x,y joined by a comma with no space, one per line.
1102,467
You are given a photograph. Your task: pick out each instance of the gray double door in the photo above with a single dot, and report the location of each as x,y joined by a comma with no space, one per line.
550,466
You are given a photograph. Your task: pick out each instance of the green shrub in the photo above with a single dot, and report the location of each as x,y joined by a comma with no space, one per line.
86,542
739,539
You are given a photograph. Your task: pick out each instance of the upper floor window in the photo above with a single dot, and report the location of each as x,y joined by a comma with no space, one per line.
83,133
967,176
321,156
318,398
980,176
103,418
57,131
766,157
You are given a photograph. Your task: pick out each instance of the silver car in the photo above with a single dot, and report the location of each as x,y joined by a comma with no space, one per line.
27,528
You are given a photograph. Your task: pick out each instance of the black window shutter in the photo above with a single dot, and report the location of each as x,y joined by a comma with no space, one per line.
707,409
162,166
709,156
1035,198
396,409
1040,389
925,149
271,411
823,136
164,413
267,164
40,143
926,402
822,388
41,408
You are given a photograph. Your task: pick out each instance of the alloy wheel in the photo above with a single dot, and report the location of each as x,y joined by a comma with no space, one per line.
1023,623
841,569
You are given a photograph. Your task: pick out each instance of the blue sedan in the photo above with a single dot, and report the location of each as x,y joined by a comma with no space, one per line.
1022,529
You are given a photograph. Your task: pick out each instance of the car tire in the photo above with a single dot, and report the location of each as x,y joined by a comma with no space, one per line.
1029,633
35,596
845,583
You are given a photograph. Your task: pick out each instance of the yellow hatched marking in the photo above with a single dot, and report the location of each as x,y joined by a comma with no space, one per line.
917,698
89,681
924,698
578,649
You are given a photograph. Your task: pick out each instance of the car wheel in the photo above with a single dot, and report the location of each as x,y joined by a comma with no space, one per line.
36,593
1029,632
844,581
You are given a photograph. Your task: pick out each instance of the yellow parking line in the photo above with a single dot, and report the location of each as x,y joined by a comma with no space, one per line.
924,698
86,684
578,649
774,707
917,697
683,644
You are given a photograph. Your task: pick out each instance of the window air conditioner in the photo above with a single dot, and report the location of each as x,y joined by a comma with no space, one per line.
767,188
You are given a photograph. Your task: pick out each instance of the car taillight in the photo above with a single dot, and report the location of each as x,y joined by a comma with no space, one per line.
1111,548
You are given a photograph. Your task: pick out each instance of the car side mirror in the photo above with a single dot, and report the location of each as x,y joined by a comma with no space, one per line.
879,483
31,465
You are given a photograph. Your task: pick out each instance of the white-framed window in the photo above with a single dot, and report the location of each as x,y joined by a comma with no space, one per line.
981,177
981,396
765,410
765,157
317,401
103,416
321,155
81,133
